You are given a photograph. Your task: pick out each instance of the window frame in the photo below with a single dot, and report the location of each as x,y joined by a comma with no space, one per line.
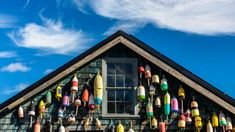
132,61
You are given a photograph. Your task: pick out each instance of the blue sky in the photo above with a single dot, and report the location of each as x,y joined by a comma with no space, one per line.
38,36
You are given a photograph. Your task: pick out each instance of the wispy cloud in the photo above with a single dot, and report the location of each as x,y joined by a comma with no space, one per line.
51,37
7,21
47,71
15,67
208,17
15,89
7,54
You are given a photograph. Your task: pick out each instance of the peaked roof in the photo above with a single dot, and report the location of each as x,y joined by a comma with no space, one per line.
136,45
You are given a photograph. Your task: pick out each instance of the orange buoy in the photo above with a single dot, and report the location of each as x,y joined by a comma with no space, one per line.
37,126
74,87
162,127
20,112
85,96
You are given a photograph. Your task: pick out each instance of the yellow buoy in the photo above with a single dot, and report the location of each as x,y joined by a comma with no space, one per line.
98,90
120,127
58,92
198,123
154,123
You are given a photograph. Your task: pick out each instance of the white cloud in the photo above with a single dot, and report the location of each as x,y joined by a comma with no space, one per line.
15,89
7,21
51,37
47,71
14,67
208,17
7,54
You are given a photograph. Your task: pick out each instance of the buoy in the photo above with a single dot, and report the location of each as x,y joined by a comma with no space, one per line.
198,123
65,100
155,79
174,107
61,128
42,108
158,102
181,95
182,121
154,123
149,110
167,100
131,127
91,102
164,85
98,123
152,91
141,93
229,125
98,90
20,112
209,127
37,126
31,113
188,117
77,103
162,127
120,128
141,71
58,93
48,98
215,121
71,118
222,120
85,96
147,73
74,87
194,107
60,113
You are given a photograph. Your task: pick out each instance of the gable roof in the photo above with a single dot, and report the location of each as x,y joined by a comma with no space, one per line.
136,45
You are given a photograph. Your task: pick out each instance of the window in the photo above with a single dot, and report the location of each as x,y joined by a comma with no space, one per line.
120,77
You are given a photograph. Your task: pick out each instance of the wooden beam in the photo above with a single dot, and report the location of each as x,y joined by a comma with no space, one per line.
178,75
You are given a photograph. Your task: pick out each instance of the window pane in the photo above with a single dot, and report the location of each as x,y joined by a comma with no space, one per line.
119,95
128,69
110,81
119,69
111,95
120,107
129,95
111,107
120,81
129,81
129,107
111,68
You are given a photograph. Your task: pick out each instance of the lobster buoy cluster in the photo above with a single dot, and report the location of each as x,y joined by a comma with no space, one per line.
98,90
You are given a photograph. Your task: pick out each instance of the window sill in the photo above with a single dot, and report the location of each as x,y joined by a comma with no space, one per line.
120,116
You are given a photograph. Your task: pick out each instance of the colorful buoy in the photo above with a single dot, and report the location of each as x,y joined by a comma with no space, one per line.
74,87
158,102
167,100
162,127
141,71
198,123
182,121
85,96
147,73
229,125
58,93
181,95
141,93
37,126
215,121
164,84
48,98
149,110
154,123
65,100
194,107
60,113
222,120
41,108
20,113
77,103
155,79
209,127
174,107
188,116
91,102
120,127
98,90
31,113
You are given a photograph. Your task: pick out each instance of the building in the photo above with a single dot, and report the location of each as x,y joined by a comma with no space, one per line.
125,64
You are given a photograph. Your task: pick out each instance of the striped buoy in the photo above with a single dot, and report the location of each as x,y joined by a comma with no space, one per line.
181,94
209,127
120,127
215,121
77,103
198,123
58,93
141,71
149,110
141,93
91,102
162,127
147,73
48,98
194,107
188,117
222,120
182,121
174,107
85,96
164,84
65,100
41,108
74,87
20,113
229,125
31,113
158,102
37,126
167,100
98,90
